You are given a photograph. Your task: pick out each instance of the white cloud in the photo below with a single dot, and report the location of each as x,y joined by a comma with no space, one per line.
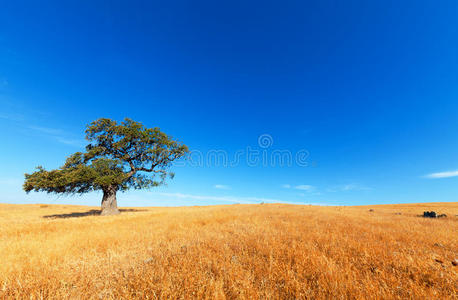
221,187
305,187
310,193
442,175
46,130
349,187
301,187
59,135
71,142
12,117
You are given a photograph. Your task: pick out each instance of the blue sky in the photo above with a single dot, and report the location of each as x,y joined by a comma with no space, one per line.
367,89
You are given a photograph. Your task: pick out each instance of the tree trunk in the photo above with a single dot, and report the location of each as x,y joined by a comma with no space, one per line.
109,203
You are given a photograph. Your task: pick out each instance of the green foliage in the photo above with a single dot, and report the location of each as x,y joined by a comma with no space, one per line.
125,155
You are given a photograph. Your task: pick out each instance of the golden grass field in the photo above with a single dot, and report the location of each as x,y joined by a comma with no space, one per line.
273,251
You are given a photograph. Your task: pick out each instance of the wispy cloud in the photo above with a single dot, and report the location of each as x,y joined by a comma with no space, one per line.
222,187
349,187
12,117
72,142
305,187
229,199
46,130
308,194
302,187
352,187
442,175
59,135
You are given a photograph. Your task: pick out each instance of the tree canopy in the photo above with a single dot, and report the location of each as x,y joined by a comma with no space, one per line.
119,156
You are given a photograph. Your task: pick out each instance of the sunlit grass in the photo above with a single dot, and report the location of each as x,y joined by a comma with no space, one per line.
236,251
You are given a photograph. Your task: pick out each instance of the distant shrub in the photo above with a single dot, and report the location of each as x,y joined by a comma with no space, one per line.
433,214
429,214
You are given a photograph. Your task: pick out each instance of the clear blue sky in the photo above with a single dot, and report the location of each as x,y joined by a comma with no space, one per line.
368,88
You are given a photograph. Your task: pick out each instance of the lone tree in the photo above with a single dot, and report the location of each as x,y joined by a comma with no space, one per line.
119,156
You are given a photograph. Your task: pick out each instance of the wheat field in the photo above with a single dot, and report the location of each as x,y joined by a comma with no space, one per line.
273,251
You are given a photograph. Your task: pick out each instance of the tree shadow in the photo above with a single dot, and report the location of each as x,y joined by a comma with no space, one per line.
92,212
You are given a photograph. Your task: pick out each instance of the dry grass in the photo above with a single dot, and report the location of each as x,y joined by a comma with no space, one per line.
237,251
